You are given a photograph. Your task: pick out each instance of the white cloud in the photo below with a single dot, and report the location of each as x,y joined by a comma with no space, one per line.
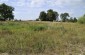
37,3
1,1
20,2
41,3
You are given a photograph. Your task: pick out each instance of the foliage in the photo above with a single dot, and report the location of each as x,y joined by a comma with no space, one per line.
81,20
53,16
71,19
56,16
75,19
64,16
6,12
43,16
49,16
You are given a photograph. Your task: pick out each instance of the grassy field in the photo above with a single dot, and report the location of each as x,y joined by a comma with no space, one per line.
42,38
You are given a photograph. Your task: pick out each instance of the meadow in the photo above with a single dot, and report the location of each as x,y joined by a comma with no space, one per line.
42,38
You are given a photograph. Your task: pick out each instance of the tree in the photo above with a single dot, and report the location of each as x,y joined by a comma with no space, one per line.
6,12
42,16
49,16
64,16
52,15
75,20
56,15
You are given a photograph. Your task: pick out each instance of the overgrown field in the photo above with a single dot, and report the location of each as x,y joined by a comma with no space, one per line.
42,38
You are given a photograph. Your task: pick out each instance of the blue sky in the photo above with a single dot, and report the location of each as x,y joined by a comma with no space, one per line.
30,9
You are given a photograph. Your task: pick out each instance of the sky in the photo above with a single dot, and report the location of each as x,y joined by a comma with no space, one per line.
30,9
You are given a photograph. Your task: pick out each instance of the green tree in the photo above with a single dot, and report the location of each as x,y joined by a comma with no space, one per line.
6,11
64,16
52,15
49,16
42,16
56,15
75,19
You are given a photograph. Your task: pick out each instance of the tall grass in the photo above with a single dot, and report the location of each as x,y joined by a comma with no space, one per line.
42,38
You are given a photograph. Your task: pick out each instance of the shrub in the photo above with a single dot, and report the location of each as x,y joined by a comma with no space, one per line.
81,20
37,28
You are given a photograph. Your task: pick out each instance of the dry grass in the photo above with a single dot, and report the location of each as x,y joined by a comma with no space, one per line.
42,38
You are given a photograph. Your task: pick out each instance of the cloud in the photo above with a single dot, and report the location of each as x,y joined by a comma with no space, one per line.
20,2
37,3
43,3
1,1
60,3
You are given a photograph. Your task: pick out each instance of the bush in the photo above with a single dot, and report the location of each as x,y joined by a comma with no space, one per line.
81,20
37,28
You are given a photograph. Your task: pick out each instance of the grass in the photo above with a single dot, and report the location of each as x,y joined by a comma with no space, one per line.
42,38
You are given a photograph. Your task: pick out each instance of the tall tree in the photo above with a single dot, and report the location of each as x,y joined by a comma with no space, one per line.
52,15
6,12
42,16
64,16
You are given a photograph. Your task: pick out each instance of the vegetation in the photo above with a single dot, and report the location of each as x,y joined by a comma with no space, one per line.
49,16
6,12
53,16
71,20
81,20
42,38
43,16
64,16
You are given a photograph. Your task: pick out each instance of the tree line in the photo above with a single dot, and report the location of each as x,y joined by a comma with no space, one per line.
6,13
51,15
